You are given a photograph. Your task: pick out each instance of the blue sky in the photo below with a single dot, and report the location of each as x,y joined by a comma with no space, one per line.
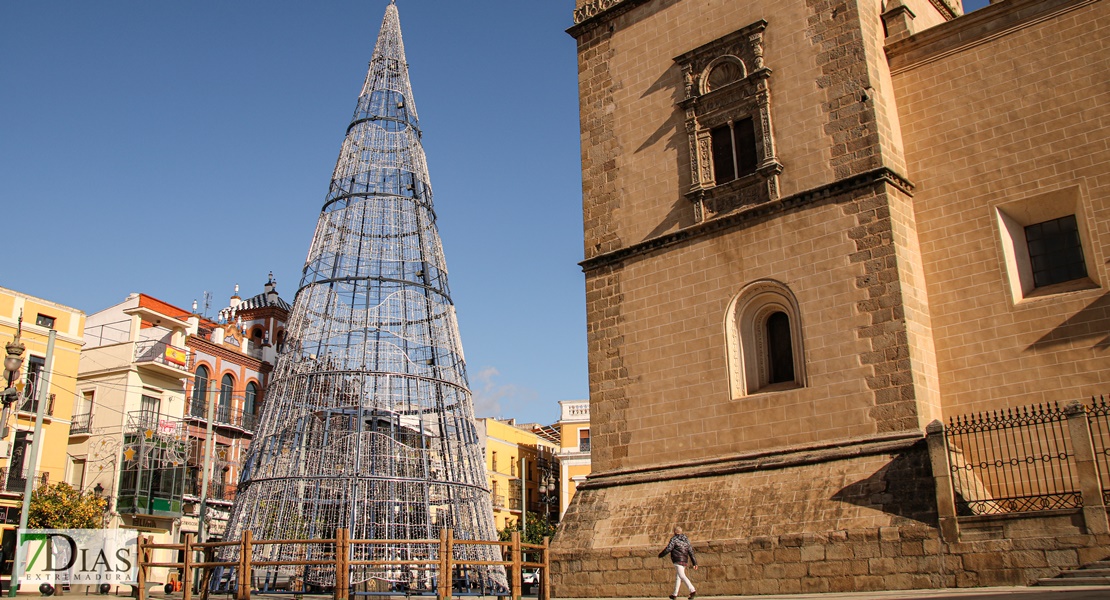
174,148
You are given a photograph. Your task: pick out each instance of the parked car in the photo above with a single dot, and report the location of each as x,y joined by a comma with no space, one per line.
530,581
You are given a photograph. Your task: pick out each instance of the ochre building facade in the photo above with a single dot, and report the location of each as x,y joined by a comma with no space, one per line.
812,229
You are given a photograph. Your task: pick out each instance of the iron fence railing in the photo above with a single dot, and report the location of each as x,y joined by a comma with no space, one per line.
30,404
217,490
1012,460
80,423
15,480
1098,417
154,351
223,414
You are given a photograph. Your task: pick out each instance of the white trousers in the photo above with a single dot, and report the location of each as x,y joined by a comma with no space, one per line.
680,578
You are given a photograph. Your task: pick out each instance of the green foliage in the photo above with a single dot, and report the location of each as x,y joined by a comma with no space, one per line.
59,506
538,528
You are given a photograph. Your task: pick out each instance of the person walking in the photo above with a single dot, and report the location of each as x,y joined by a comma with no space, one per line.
682,553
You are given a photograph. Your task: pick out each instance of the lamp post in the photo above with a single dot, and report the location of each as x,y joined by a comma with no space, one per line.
13,362
549,487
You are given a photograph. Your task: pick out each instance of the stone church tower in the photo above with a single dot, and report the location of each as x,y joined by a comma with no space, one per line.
807,238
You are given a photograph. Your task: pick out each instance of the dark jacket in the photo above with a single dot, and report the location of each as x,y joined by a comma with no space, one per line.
682,553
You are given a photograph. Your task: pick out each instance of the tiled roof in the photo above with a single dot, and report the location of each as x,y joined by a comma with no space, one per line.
263,300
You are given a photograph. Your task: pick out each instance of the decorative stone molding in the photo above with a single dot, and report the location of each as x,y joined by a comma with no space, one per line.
726,81
591,15
593,9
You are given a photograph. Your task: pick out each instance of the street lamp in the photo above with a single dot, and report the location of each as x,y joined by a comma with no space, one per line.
13,362
549,487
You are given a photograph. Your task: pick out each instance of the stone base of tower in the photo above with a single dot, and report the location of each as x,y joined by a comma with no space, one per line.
854,518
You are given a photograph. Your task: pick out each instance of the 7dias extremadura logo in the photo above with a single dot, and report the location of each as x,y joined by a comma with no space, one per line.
77,556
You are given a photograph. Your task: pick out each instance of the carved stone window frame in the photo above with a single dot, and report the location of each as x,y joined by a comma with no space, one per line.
749,369
709,106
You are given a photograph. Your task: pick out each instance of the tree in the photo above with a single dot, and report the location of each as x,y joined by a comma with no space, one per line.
59,506
538,528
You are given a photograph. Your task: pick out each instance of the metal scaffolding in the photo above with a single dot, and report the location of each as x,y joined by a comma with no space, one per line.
368,422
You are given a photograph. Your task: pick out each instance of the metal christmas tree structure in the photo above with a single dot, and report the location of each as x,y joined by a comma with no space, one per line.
368,422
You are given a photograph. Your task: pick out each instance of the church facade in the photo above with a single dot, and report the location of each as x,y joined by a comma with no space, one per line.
815,230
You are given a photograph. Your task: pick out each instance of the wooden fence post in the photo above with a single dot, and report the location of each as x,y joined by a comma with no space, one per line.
187,569
342,566
206,574
545,579
444,580
1094,508
140,592
245,549
514,578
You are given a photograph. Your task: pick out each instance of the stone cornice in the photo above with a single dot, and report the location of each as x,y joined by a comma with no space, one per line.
880,175
946,9
774,459
973,29
594,13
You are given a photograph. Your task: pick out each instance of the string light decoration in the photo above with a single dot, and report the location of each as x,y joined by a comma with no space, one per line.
368,423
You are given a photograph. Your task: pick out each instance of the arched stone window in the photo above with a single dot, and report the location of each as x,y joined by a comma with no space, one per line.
764,335
200,388
227,387
250,399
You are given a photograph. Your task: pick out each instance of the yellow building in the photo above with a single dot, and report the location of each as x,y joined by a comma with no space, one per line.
574,448
50,465
507,447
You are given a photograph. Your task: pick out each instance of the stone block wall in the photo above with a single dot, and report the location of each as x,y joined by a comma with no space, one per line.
850,560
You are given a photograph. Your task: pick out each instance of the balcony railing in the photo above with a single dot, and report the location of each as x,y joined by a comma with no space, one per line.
16,481
30,404
161,353
81,423
217,490
498,500
223,414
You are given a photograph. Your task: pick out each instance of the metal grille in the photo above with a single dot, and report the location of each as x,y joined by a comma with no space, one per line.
368,424
1015,460
1098,419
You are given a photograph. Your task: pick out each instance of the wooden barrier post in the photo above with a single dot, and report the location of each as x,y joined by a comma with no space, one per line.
140,592
342,565
187,568
514,579
206,574
444,585
545,580
245,550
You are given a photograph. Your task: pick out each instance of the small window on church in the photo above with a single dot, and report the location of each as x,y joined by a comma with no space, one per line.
780,352
1055,252
764,339
734,153
1046,244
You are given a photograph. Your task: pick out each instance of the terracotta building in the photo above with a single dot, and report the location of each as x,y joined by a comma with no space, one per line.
816,233
148,373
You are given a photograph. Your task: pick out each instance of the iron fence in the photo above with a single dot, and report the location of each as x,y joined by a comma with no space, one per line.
154,351
1013,460
1098,416
81,423
223,413
15,480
